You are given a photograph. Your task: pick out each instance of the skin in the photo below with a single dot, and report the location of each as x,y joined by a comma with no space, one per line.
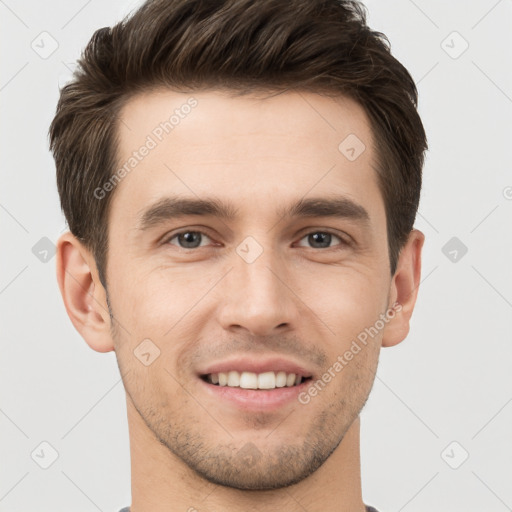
298,299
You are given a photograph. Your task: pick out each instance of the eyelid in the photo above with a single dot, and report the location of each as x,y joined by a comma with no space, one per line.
169,236
345,238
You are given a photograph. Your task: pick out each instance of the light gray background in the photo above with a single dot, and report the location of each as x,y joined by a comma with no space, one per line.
450,380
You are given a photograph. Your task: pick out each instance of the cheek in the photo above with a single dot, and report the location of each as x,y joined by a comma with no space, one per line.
156,298
163,307
346,300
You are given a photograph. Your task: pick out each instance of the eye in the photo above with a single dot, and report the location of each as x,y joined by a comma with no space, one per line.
322,239
192,239
188,239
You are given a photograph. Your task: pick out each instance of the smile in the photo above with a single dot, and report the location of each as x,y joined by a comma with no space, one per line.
251,380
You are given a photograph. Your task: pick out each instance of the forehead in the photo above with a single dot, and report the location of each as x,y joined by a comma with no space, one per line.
251,150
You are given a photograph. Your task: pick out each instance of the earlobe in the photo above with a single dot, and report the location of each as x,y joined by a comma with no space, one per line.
404,289
83,294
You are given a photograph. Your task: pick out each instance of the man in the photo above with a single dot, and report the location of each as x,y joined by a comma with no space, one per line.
241,179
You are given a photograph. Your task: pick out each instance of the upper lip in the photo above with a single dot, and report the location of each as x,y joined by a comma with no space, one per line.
251,364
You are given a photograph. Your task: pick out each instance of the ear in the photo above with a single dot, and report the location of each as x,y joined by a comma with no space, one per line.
404,289
83,294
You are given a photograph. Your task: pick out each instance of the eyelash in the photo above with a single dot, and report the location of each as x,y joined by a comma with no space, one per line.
168,239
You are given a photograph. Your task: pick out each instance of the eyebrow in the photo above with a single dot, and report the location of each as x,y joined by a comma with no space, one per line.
169,208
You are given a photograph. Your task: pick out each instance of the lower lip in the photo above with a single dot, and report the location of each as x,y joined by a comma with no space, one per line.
260,400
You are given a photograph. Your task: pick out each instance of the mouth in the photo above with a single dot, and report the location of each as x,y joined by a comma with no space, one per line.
254,385
268,380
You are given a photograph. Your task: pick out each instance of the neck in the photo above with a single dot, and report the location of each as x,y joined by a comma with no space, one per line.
161,482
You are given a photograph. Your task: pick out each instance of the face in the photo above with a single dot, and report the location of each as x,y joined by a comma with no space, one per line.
278,266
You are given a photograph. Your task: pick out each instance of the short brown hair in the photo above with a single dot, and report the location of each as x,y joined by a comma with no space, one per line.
322,46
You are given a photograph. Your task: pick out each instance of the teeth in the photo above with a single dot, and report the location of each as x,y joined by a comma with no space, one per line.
233,379
250,380
267,380
281,379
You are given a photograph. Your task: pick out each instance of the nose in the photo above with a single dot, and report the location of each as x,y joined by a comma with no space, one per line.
259,296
